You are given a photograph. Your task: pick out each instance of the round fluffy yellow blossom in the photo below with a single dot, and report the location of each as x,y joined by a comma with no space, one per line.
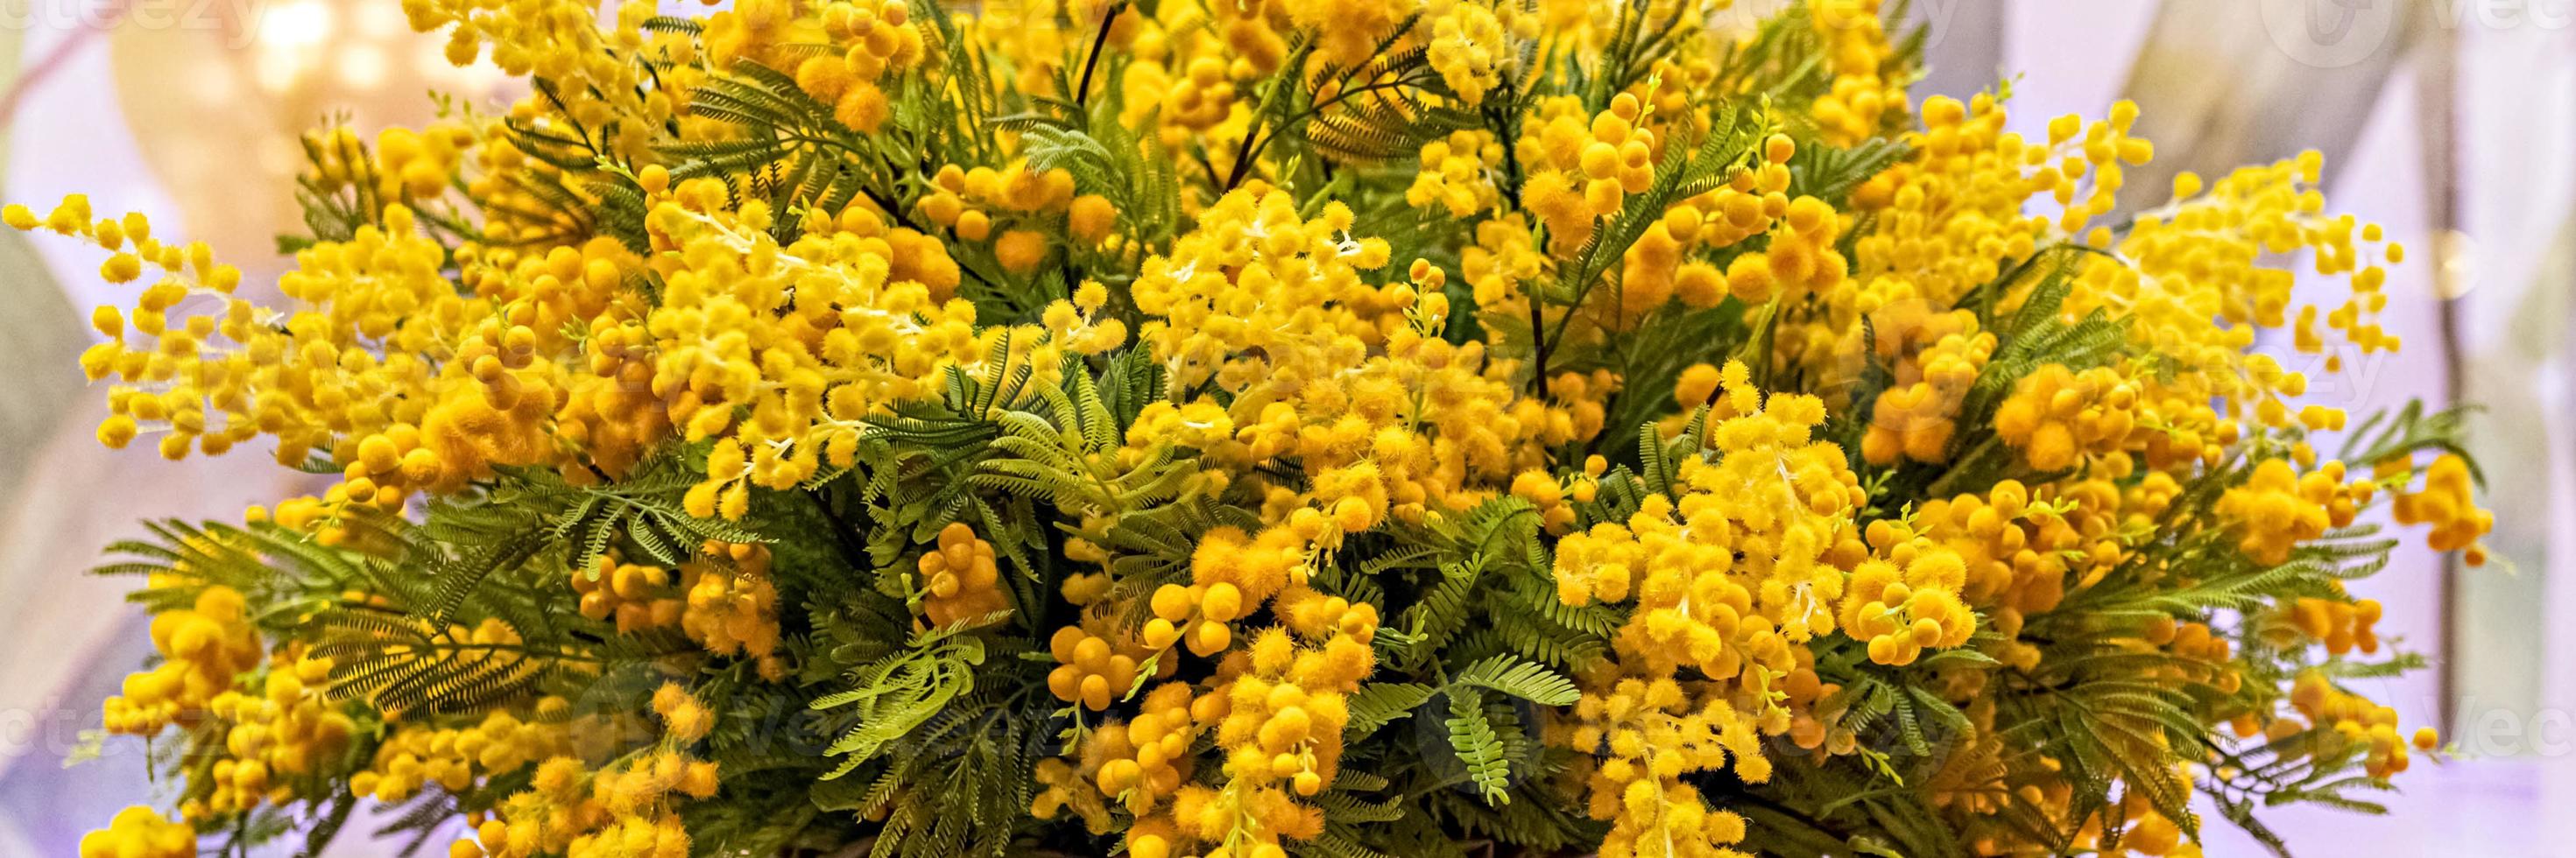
637,597
2056,416
452,758
732,608
203,648
1934,358
1146,760
1468,48
1904,609
2342,718
1647,734
1584,166
804,367
1090,671
140,832
1277,708
959,579
1457,173
2276,509
2446,504
1857,53
278,738
626,808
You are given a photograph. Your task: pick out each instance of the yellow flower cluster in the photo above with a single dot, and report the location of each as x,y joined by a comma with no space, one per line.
1468,47
2276,508
2341,626
732,606
2187,279
1277,708
1660,266
1199,613
2016,549
1191,64
1955,217
388,369
1274,708
2057,416
1551,497
1815,713
1504,256
1752,528
1934,357
1908,601
596,74
638,597
1081,324
1582,167
416,756
1387,418
721,597
1724,580
2354,318
203,647
1949,219
1090,670
959,580
619,811
1457,172
408,165
1347,31
2445,503
1856,52
2153,834
140,832
287,732
1146,760
2350,718
870,41
785,353
1649,735
1801,259
968,202
1653,270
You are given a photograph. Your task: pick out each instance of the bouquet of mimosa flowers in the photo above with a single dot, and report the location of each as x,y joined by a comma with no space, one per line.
1259,428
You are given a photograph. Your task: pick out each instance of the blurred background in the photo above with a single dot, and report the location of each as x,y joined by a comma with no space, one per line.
2451,121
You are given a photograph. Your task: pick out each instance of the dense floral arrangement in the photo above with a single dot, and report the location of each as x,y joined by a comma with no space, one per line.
1250,429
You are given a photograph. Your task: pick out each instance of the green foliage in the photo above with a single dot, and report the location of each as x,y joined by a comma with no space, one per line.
896,694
